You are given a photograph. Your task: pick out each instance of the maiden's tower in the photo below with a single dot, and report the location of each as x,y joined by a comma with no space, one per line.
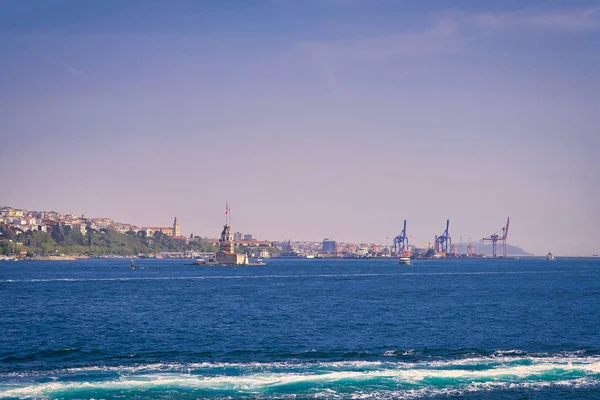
226,254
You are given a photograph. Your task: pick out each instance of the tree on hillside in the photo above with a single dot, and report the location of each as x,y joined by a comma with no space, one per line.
8,233
58,233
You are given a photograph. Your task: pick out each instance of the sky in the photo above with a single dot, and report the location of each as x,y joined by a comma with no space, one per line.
313,118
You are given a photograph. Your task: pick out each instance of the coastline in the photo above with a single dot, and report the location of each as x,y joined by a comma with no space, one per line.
52,258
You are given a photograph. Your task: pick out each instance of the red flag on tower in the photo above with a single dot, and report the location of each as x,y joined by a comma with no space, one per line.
227,209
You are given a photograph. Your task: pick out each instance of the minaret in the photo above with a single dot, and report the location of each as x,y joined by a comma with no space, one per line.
176,227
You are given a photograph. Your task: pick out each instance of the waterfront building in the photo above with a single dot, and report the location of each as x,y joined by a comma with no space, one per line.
329,246
264,253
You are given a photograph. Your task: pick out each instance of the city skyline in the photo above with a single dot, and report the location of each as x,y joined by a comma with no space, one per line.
314,119
24,220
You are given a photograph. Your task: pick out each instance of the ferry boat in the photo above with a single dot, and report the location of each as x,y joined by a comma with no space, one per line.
404,260
206,259
289,254
549,256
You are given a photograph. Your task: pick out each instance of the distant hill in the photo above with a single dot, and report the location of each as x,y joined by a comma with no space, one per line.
488,250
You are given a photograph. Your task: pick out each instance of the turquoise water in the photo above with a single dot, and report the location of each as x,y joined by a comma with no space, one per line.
301,329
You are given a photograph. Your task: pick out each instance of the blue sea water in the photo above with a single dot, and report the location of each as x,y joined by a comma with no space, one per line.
492,329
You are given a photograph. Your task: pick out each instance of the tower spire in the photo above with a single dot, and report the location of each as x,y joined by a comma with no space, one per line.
227,216
176,227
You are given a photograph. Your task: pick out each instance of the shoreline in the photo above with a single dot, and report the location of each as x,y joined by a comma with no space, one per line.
52,258
75,258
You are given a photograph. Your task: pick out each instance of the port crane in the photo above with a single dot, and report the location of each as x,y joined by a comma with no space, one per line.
401,241
498,236
454,250
444,241
471,250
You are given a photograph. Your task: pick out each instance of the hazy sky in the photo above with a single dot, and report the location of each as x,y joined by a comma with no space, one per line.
313,118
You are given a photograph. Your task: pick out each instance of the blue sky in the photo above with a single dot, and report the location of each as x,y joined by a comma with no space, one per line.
330,118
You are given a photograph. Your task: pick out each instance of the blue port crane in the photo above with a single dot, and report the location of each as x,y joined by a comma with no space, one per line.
401,241
443,241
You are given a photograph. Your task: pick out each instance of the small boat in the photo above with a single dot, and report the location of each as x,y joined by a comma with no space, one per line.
259,262
404,260
549,256
131,266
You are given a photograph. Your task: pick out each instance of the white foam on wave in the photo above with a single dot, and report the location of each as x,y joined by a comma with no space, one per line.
395,353
397,375
349,365
429,392
513,357
202,367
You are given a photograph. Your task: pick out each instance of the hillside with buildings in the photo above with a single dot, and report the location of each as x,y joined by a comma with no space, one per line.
42,233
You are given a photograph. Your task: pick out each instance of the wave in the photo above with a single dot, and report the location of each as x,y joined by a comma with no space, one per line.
77,358
368,379
295,276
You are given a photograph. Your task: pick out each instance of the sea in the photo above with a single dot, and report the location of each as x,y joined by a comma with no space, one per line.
301,329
